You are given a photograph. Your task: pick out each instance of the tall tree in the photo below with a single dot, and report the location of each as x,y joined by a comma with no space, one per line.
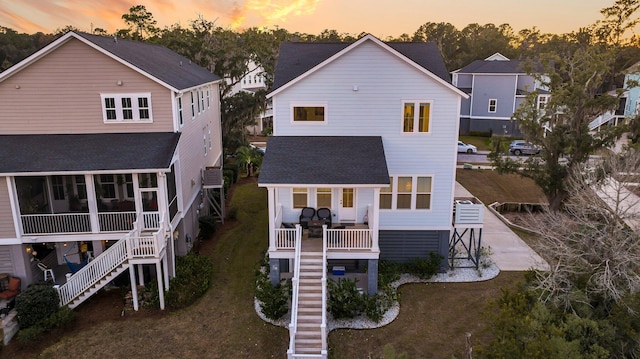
575,74
447,37
140,22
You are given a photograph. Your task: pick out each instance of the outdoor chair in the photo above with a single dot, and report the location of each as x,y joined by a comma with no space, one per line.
48,272
306,216
13,289
324,214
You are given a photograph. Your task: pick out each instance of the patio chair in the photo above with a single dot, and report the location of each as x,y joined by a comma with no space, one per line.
48,272
306,216
324,214
13,289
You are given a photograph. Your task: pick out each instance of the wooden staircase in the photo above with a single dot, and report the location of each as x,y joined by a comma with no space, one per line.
308,339
99,285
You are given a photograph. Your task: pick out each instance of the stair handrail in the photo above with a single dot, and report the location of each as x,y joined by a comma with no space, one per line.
323,326
293,325
94,271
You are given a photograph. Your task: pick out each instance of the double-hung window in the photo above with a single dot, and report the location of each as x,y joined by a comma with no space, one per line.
193,107
407,193
416,116
126,107
323,197
180,118
542,101
299,197
493,105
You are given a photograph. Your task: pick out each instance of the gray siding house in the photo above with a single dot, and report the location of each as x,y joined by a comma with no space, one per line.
496,87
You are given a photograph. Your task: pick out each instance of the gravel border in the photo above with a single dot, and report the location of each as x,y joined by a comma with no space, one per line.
486,271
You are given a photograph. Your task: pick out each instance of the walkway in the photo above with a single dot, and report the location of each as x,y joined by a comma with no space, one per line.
509,252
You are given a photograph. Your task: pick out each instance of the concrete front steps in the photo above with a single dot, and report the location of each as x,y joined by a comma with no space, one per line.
308,338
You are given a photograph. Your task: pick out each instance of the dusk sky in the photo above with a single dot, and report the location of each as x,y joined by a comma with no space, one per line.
380,17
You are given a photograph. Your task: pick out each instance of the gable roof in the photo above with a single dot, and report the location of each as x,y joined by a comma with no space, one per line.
158,63
498,67
298,59
497,57
324,160
86,152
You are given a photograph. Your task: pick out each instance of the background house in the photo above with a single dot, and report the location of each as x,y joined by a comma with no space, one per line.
496,87
103,143
252,81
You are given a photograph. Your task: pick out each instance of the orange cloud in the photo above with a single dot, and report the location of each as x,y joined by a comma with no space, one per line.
275,11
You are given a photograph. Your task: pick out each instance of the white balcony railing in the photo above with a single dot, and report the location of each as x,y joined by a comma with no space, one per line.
347,239
285,238
56,223
116,221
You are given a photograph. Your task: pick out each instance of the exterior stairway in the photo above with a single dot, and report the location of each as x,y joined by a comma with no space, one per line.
308,339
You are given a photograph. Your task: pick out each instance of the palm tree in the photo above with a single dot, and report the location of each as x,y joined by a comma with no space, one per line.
247,157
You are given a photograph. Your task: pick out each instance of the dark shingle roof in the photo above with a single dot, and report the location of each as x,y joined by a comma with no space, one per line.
499,67
323,160
158,61
296,58
86,152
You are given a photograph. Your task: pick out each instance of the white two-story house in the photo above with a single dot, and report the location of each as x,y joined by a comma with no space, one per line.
103,146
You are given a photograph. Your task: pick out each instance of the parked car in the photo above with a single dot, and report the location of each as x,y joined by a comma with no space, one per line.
521,147
466,148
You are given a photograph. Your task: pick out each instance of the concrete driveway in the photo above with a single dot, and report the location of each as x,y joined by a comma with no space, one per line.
508,251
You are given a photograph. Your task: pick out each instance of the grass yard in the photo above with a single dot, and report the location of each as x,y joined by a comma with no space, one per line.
432,323
482,143
489,187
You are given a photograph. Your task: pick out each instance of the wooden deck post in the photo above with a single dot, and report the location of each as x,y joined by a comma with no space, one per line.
140,275
165,267
134,286
160,285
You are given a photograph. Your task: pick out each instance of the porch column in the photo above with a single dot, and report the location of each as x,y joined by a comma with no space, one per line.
372,276
14,201
92,203
162,195
140,275
160,285
134,287
137,199
274,271
97,248
374,219
165,272
272,218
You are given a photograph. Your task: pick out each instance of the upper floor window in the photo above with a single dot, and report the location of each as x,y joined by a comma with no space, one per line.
542,101
126,107
202,99
180,118
493,105
417,116
309,113
208,99
193,107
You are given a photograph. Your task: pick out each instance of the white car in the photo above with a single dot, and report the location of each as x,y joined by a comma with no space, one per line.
466,148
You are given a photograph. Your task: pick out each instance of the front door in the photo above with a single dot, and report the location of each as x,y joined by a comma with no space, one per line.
347,209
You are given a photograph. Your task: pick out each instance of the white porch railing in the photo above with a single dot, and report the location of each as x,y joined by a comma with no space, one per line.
129,247
347,239
56,223
285,238
150,220
293,325
323,326
116,221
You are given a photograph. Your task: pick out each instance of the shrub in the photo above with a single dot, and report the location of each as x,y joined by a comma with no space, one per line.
481,133
274,299
207,226
60,318
388,272
234,171
345,301
424,268
377,305
35,304
192,280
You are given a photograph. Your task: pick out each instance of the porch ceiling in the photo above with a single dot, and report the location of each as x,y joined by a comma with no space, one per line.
86,152
324,160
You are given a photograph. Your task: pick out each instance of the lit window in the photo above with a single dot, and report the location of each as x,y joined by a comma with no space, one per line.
323,197
403,200
308,114
416,117
299,197
126,107
493,105
386,195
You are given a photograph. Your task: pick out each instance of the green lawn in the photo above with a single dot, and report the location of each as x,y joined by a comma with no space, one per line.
489,187
432,323
482,143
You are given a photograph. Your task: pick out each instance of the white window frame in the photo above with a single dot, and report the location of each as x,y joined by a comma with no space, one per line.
414,193
293,193
543,100
208,96
493,102
180,113
416,116
324,105
193,107
330,193
201,101
119,109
